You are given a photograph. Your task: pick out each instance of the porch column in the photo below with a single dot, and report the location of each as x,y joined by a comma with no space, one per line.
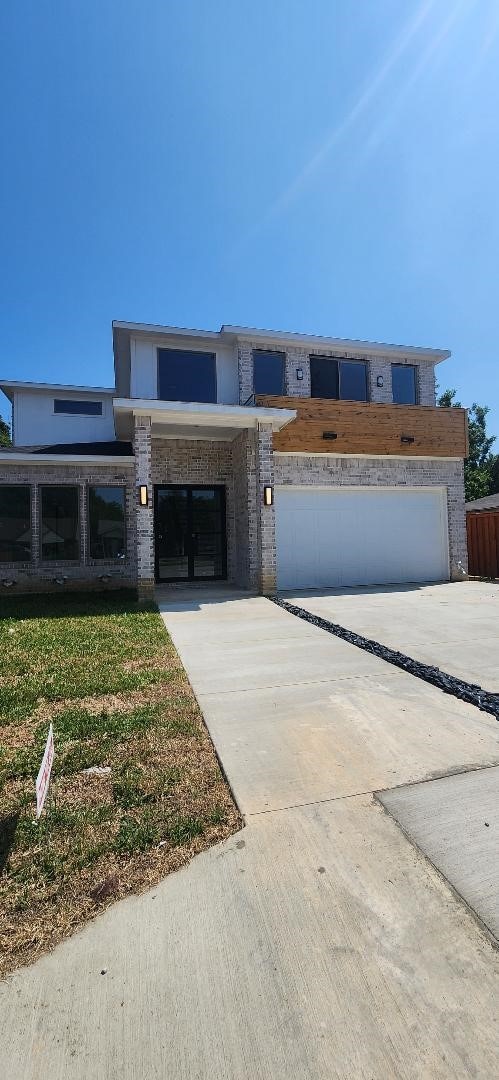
267,578
145,514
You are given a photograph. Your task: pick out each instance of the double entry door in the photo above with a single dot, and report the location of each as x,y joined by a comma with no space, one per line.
190,532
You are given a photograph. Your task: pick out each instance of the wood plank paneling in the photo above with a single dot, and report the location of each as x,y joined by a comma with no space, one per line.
482,528
369,428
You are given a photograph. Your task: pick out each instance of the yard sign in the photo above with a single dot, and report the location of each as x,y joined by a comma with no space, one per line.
43,778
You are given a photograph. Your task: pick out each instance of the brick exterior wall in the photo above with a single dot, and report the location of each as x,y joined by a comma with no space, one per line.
266,514
142,442
86,573
387,472
299,357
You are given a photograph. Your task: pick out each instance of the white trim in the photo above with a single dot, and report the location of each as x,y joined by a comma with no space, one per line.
204,413
12,384
248,333
383,457
350,345
65,459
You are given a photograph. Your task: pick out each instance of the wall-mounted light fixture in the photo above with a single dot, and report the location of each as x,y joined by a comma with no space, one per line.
299,374
268,495
329,435
143,495
407,438
379,380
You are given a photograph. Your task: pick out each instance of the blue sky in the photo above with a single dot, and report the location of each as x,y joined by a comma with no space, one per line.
329,167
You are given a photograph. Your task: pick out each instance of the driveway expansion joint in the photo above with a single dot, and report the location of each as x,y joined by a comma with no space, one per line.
449,684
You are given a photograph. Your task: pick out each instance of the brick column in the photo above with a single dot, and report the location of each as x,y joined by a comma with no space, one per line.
267,578
245,366
145,514
380,366
297,358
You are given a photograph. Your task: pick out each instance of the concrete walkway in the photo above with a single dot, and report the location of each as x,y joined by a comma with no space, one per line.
317,942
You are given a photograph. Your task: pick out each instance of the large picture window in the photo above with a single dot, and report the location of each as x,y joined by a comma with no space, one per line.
59,523
268,372
185,375
106,522
15,523
404,384
344,380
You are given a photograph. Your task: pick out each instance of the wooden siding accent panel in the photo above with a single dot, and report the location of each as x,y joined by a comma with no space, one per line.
369,428
482,528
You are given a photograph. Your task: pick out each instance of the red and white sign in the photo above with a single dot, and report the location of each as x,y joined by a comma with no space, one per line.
43,778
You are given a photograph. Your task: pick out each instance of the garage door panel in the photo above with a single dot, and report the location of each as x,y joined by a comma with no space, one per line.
332,537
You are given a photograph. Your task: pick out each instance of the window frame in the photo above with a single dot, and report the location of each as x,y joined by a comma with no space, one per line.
415,369
278,352
339,360
204,352
22,562
108,560
79,538
78,401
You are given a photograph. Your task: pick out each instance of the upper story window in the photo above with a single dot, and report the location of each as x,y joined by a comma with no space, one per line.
344,380
268,372
404,384
76,407
15,523
186,375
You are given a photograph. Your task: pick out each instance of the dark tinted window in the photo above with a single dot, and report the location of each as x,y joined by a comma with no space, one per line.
106,522
324,377
353,380
59,523
186,376
404,384
15,523
268,372
75,407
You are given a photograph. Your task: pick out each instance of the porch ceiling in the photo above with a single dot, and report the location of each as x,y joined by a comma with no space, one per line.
193,420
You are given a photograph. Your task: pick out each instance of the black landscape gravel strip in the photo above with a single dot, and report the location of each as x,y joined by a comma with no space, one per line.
465,691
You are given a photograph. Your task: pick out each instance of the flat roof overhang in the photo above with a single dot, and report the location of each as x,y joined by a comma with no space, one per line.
195,420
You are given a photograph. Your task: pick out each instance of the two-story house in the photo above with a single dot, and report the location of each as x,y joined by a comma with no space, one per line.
271,460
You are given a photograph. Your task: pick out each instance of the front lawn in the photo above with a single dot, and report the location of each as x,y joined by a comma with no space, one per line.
136,787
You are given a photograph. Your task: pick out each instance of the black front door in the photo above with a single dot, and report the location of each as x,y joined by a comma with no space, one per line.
190,533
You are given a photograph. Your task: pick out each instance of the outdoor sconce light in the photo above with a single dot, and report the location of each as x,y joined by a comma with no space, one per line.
299,374
268,496
407,438
379,380
329,435
143,495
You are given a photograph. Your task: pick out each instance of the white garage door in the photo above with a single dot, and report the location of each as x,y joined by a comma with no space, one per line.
360,536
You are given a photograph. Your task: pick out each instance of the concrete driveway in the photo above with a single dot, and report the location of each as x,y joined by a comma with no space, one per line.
318,942
453,626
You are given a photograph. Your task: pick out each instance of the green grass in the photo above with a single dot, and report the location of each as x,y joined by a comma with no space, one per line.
74,661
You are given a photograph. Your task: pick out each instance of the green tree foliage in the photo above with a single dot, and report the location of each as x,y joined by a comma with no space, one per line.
5,439
481,468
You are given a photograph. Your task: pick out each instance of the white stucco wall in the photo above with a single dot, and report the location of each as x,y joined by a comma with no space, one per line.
144,368
36,423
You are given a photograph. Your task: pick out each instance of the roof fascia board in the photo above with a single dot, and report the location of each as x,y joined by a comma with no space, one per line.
14,385
350,345
65,459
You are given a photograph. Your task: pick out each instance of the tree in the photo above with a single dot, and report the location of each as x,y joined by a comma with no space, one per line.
5,439
480,464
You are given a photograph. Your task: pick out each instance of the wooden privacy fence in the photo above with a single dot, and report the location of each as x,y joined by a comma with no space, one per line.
483,543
